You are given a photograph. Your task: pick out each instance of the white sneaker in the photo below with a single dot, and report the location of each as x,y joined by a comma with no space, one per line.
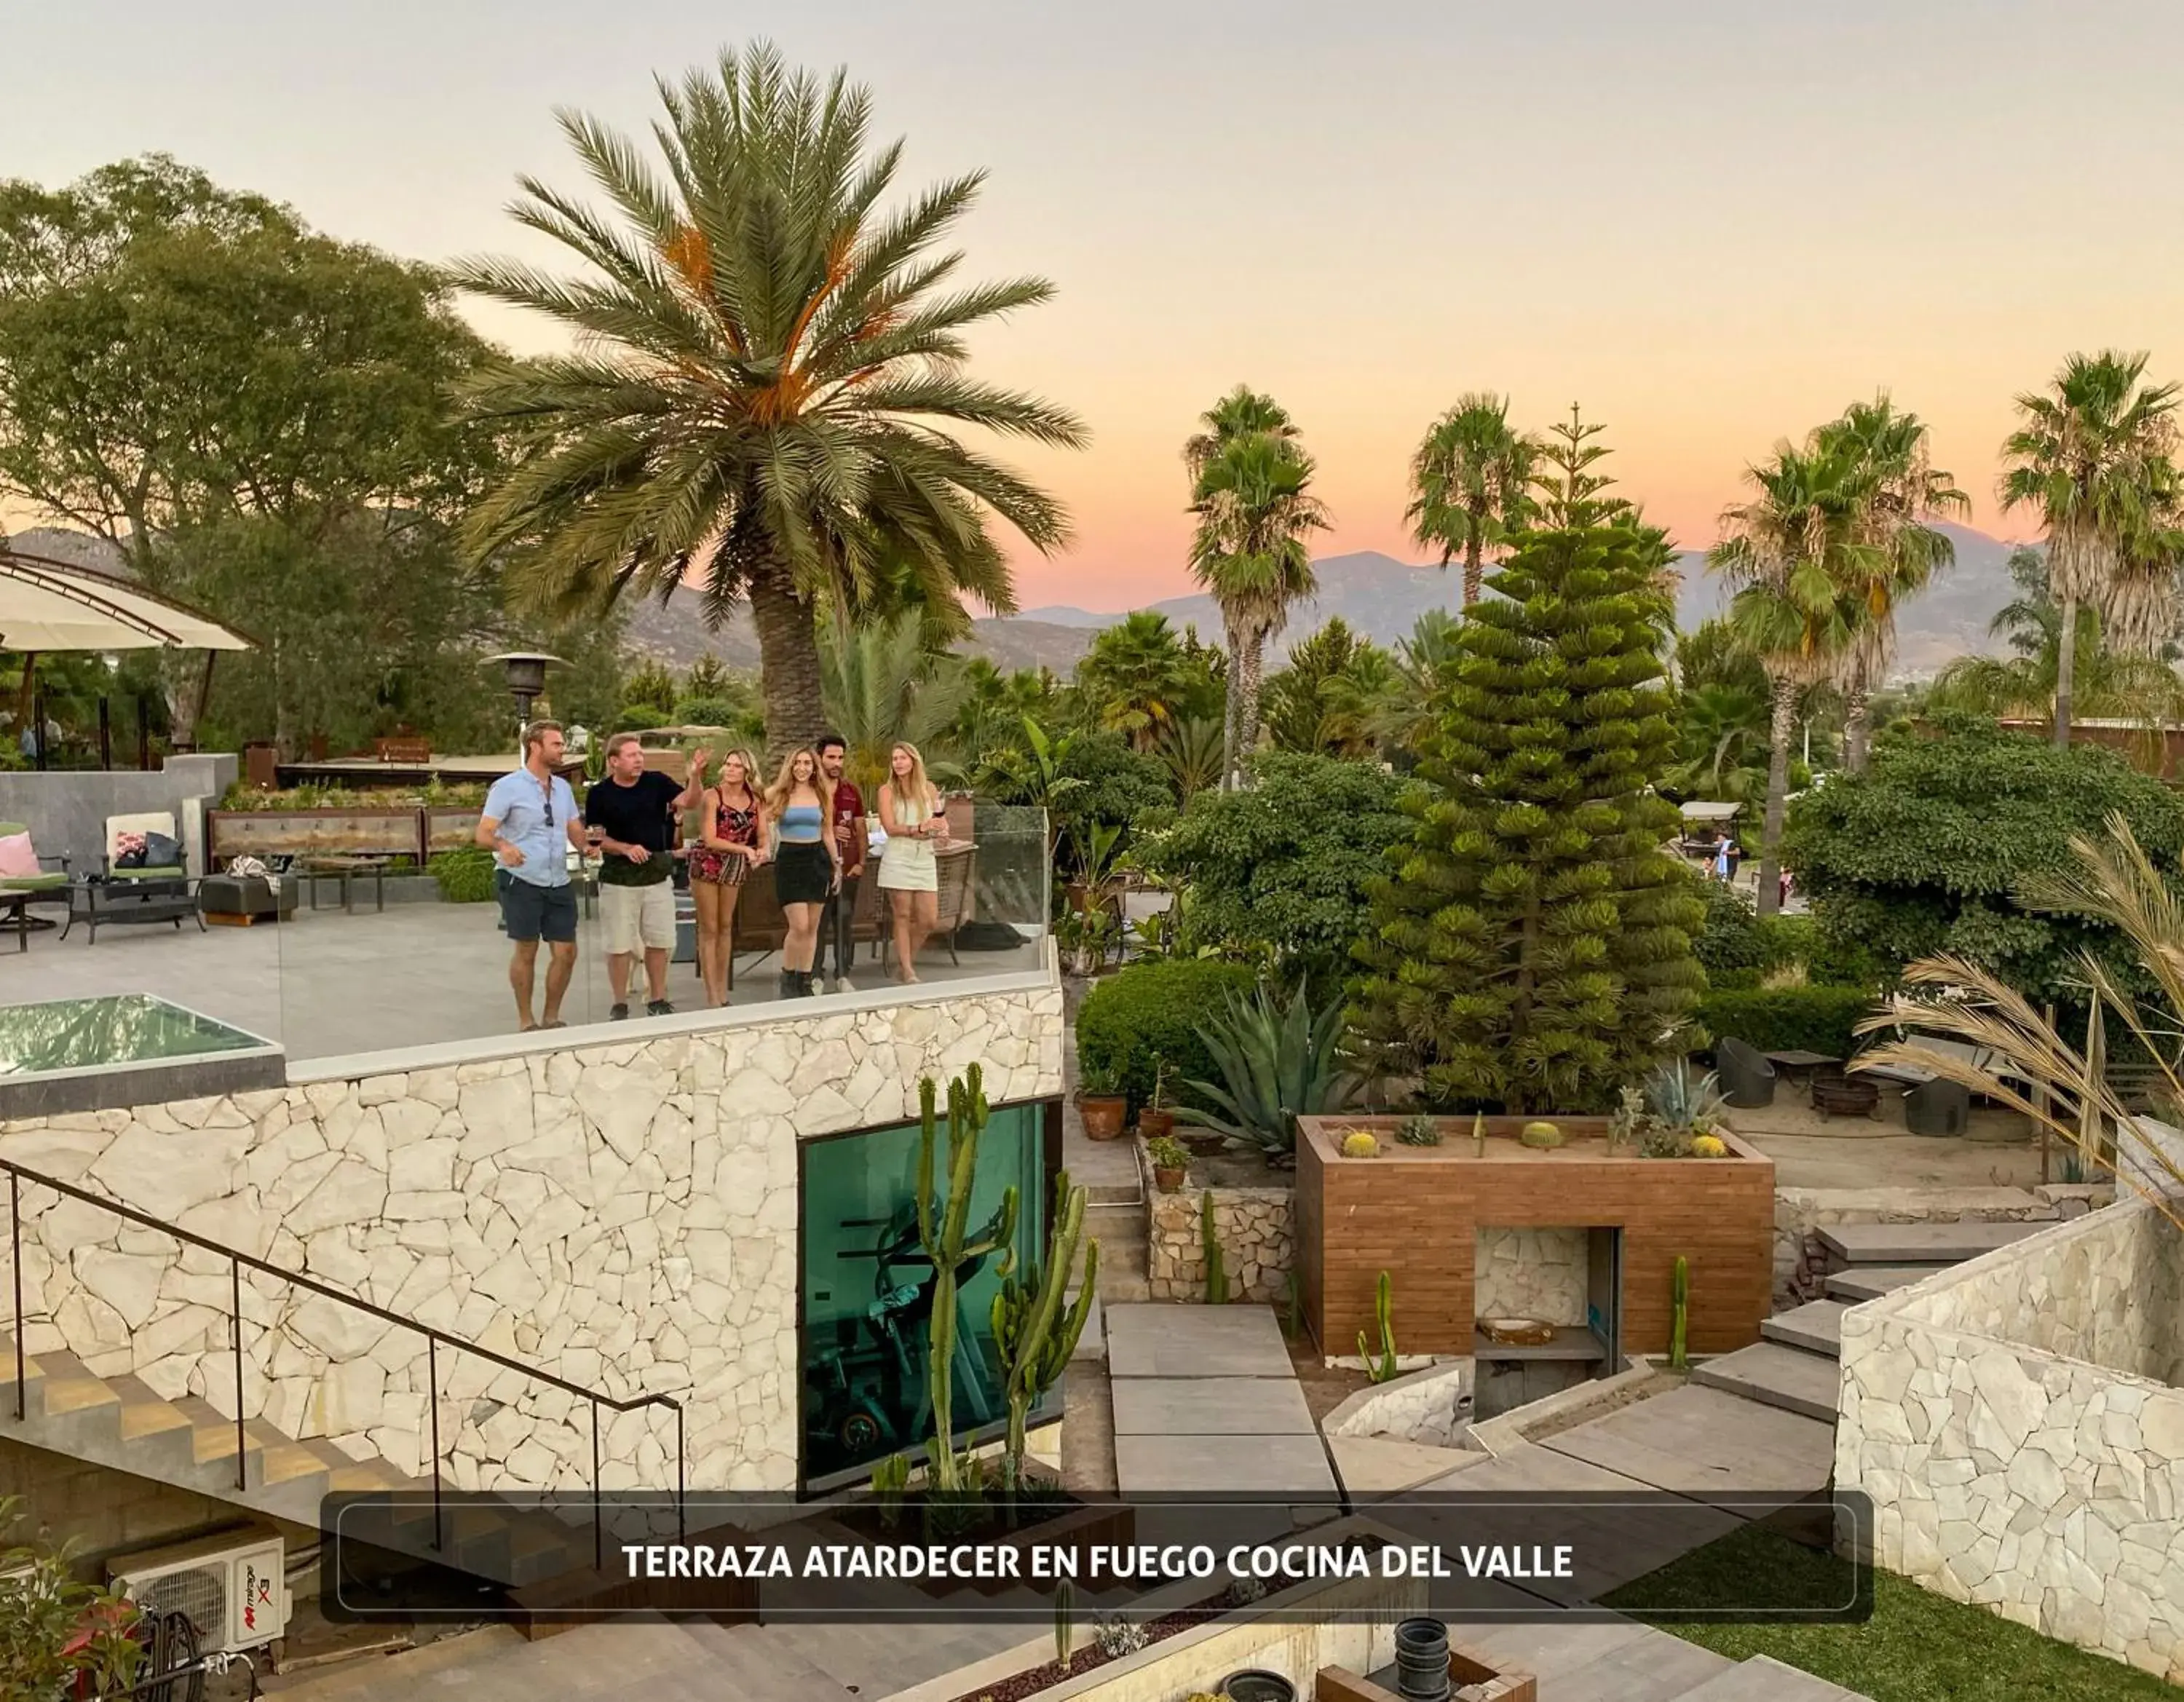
843,984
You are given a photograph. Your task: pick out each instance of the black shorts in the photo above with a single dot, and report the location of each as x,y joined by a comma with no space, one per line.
533,912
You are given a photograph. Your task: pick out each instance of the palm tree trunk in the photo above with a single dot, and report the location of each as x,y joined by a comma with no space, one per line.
1249,667
1474,575
2066,668
1784,720
1232,700
788,663
1858,703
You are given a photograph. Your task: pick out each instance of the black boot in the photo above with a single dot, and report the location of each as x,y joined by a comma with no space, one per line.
788,987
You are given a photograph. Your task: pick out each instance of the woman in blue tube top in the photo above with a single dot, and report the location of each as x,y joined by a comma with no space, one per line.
806,865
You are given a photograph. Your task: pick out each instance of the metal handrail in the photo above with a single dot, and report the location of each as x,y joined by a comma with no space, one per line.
19,1174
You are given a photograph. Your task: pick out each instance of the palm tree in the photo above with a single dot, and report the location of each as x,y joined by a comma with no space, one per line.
1471,484
1255,510
2093,456
766,371
1425,663
1241,413
1900,491
1792,550
880,682
1724,728
1138,679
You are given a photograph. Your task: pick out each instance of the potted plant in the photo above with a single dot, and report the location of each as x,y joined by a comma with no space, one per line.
1101,1104
1170,1161
1155,1118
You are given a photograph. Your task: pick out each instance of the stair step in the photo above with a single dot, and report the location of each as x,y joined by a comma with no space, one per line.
1786,1377
1921,1244
1871,1282
1764,1679
144,1410
1815,1326
71,1386
212,1433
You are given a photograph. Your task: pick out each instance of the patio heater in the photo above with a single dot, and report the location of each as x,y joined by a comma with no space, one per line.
527,680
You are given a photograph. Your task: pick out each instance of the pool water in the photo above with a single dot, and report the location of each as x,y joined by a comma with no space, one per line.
119,1028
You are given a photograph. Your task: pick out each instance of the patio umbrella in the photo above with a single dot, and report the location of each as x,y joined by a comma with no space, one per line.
47,605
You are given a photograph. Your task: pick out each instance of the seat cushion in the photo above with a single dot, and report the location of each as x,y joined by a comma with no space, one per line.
32,883
172,872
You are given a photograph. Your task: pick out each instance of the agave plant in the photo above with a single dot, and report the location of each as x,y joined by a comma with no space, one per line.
1278,1062
1682,1102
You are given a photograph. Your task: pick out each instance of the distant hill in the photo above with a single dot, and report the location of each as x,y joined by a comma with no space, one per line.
672,632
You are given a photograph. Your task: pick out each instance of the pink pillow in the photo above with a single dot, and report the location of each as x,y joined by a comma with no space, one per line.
18,861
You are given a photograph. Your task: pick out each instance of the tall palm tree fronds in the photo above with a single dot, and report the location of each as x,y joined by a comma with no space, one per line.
1192,750
1255,508
1244,411
1471,484
2093,455
2116,882
1139,677
883,682
769,358
1425,663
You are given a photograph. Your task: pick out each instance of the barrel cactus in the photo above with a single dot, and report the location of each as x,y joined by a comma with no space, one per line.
1709,1147
1541,1137
1359,1143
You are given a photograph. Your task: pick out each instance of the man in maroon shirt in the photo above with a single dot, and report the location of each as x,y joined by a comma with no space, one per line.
849,817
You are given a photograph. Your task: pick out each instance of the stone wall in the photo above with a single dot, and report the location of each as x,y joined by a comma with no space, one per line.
624,1216
66,808
1257,1231
1431,1406
1540,1274
1801,1263
2010,1469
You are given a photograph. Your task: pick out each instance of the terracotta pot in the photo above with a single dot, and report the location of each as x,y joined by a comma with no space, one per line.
1168,1180
1154,1124
1104,1115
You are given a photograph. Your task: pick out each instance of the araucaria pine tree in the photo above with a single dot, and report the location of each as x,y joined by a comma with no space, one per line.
1532,948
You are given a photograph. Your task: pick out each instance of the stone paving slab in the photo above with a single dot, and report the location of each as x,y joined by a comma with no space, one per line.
1870,1281
1815,1326
1660,1667
1697,1440
1532,1466
1386,1464
1211,1406
1764,1679
1921,1244
1275,1464
1147,1340
1791,1378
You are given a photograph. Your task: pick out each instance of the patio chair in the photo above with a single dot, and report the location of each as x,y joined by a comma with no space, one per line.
146,822
53,871
1748,1076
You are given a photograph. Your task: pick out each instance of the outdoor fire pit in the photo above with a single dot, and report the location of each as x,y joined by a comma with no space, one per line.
1845,1096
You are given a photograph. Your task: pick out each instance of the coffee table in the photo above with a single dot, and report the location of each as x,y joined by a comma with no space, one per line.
104,904
346,870
1808,1065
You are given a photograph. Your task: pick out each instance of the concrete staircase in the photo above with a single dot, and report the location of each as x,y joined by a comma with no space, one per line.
121,1423
1795,1368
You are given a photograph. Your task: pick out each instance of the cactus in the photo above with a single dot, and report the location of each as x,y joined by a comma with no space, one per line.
1541,1137
943,1230
1118,1636
1478,1134
1359,1143
1419,1129
1065,1613
1033,1334
1381,1368
1679,1293
1709,1147
890,1477
1217,1267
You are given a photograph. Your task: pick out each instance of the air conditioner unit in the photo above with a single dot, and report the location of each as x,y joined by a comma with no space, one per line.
231,1585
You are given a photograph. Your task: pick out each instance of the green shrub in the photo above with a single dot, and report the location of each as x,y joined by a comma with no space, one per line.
466,877
1732,939
1788,1019
1153,1010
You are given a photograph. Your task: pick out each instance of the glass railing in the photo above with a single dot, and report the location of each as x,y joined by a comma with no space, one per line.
373,958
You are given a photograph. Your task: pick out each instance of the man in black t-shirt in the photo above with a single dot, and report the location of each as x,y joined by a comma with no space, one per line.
635,818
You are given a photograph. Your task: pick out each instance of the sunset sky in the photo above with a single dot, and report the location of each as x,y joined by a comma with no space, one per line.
1713,223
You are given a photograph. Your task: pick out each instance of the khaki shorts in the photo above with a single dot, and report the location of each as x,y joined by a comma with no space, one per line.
637,918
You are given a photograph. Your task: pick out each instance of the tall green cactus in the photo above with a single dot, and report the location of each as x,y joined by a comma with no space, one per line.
1034,1336
1680,1297
1217,1267
943,1229
1381,1367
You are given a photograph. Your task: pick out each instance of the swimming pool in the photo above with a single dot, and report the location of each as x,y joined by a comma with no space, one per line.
84,1054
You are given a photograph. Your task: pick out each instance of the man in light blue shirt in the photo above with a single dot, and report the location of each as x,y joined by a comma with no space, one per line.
530,824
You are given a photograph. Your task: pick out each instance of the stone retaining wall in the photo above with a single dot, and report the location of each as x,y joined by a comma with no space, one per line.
1801,1264
1255,1227
2006,1467
622,1215
1431,1406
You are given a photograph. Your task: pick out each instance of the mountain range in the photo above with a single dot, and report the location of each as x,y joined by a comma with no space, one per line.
1377,595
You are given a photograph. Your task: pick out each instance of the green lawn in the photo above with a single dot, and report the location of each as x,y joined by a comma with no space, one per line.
1918,1647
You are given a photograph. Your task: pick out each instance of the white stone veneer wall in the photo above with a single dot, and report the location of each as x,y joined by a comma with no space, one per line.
2006,1467
624,1216
1540,1274
1256,1227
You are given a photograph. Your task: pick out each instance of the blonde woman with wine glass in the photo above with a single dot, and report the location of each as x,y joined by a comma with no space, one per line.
909,873
807,863
731,843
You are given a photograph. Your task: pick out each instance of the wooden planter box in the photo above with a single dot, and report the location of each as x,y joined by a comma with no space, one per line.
316,833
1415,1212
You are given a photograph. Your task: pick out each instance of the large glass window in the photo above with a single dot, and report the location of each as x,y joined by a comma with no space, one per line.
868,1290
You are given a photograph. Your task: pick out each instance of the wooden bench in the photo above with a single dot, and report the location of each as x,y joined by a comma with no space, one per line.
760,928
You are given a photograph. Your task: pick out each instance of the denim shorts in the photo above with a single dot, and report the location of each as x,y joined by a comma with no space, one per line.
533,912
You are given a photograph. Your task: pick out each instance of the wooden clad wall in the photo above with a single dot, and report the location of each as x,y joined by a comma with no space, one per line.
1415,1212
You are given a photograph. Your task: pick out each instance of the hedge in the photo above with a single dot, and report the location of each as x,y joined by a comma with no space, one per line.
1153,1009
1789,1019
466,877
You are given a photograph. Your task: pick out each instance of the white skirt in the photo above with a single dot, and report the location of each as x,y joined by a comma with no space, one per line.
908,866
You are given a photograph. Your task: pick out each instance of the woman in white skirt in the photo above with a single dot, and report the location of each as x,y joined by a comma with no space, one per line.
910,815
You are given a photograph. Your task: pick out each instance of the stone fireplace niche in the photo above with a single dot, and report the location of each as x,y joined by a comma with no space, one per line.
1569,1277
